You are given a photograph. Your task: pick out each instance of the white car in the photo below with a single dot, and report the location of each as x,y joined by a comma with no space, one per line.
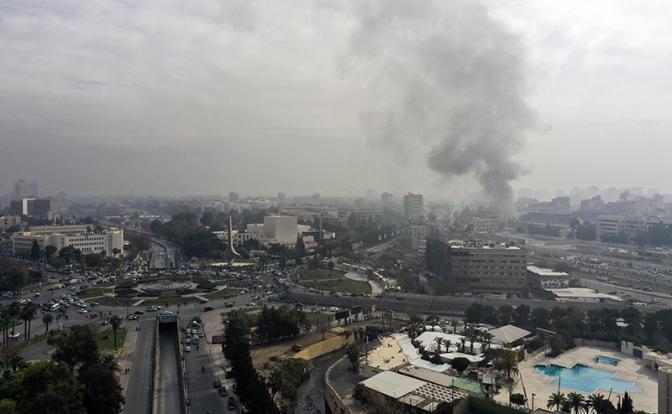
187,349
83,311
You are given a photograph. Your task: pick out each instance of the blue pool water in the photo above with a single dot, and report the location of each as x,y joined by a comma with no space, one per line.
607,360
586,379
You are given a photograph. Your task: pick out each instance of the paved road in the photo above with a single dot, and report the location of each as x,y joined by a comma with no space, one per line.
203,395
138,395
168,399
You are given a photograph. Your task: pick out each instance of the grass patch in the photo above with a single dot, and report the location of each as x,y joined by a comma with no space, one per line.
321,274
105,339
341,285
94,292
224,293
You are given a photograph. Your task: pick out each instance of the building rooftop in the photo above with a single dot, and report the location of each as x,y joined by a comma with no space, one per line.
581,293
392,384
540,271
508,334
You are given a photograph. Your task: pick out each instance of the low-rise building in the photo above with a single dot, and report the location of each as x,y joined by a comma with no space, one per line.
79,237
541,278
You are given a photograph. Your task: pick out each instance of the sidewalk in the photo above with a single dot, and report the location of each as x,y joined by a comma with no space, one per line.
126,360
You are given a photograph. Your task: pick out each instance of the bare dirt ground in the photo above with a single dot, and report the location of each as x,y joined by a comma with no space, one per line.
263,354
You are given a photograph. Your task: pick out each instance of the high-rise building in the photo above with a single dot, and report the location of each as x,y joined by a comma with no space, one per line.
665,390
282,197
281,229
413,206
233,197
33,207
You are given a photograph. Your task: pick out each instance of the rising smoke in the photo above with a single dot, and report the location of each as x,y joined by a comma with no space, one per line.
448,81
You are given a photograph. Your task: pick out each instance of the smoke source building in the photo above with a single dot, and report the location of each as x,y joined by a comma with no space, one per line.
478,267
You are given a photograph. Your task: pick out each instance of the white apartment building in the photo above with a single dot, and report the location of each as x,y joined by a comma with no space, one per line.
63,236
413,206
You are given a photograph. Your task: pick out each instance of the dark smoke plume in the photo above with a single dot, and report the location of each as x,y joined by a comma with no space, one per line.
449,81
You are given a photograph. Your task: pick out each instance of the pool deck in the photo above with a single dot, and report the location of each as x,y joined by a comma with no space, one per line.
628,369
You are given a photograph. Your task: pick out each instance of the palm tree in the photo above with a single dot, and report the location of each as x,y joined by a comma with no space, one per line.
555,400
599,404
576,402
463,341
438,341
27,314
116,324
47,319
486,338
508,364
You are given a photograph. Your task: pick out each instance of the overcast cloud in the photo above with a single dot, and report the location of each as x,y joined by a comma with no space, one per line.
174,97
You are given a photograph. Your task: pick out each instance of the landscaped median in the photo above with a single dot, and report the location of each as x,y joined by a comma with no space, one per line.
332,281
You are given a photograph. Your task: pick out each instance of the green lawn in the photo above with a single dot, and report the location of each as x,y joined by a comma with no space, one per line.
321,274
224,293
341,285
105,339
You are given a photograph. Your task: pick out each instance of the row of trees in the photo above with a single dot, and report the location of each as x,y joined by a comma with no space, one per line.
282,322
185,231
78,379
597,403
251,386
654,328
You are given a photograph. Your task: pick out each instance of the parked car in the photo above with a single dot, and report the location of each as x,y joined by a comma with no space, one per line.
217,383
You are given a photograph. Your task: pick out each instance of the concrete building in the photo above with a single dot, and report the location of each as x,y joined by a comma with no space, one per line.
540,278
9,221
413,206
62,236
281,229
416,234
34,207
478,267
665,390
559,205
233,197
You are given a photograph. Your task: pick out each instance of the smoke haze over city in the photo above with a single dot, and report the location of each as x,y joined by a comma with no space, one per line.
176,98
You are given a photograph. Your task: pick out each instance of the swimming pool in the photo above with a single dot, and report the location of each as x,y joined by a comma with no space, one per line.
586,379
607,360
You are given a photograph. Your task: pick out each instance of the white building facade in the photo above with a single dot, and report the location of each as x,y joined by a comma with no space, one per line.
63,236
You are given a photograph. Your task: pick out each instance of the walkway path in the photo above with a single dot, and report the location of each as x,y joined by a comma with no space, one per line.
376,289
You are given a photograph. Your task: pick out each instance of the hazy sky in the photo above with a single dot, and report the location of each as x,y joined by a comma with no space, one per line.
192,97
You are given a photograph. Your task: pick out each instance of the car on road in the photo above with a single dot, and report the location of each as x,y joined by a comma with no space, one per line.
194,332
208,309
139,312
222,391
83,311
217,383
187,349
203,301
